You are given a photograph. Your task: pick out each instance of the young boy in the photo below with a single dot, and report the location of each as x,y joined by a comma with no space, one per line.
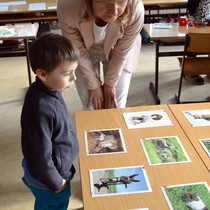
49,144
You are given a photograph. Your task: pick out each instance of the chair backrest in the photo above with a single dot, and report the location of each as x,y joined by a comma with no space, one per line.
199,45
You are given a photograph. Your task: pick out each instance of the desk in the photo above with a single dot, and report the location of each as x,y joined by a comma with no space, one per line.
157,9
15,13
158,176
26,32
194,133
168,37
163,2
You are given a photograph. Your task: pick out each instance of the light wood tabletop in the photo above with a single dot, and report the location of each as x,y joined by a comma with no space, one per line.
168,37
28,11
175,33
193,133
159,175
25,31
28,6
163,2
21,31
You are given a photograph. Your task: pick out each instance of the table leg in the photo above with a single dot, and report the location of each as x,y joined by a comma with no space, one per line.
43,27
154,87
27,59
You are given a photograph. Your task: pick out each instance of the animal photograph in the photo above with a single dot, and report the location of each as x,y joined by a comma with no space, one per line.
122,180
205,143
164,150
100,142
198,117
194,196
146,119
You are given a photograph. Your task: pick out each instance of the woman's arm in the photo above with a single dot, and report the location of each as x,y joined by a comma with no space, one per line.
69,13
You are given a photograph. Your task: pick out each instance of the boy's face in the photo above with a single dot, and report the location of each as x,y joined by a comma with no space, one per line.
62,77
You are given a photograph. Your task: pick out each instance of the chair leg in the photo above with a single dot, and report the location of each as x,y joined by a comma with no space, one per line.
179,90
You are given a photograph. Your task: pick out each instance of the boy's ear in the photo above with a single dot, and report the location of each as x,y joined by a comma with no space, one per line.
41,74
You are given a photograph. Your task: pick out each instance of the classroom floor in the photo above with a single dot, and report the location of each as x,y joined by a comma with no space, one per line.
14,83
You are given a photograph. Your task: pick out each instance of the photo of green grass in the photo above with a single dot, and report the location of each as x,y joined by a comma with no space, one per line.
164,150
205,143
188,196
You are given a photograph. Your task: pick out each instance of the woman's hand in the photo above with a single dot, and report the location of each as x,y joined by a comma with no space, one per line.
96,97
109,97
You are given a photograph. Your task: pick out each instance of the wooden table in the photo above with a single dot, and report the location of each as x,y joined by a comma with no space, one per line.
25,31
32,11
158,176
155,10
193,133
163,2
168,37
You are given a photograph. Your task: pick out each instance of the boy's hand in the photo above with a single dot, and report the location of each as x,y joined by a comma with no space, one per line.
62,187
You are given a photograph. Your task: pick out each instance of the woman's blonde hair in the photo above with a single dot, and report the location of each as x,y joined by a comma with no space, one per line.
89,14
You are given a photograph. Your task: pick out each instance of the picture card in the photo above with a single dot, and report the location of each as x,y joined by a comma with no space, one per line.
4,8
146,119
108,141
162,25
7,32
37,6
12,3
187,196
205,143
164,150
198,117
117,181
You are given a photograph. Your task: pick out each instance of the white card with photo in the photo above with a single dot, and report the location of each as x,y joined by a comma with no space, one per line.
205,143
187,196
164,150
117,181
198,117
104,141
146,119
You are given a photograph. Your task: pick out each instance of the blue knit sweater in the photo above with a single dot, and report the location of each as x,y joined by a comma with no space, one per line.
49,143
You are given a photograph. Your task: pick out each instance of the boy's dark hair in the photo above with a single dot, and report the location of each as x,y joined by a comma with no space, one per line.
50,50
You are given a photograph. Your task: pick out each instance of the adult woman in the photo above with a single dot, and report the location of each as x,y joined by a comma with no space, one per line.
107,33
199,11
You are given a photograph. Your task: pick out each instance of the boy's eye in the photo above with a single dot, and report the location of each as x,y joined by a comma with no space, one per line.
68,73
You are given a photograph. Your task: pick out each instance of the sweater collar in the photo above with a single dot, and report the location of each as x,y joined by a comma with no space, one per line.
38,83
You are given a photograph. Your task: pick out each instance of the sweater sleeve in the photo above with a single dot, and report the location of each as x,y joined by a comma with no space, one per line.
68,13
125,45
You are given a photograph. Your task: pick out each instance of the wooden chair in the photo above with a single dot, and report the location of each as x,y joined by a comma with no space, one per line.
199,45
